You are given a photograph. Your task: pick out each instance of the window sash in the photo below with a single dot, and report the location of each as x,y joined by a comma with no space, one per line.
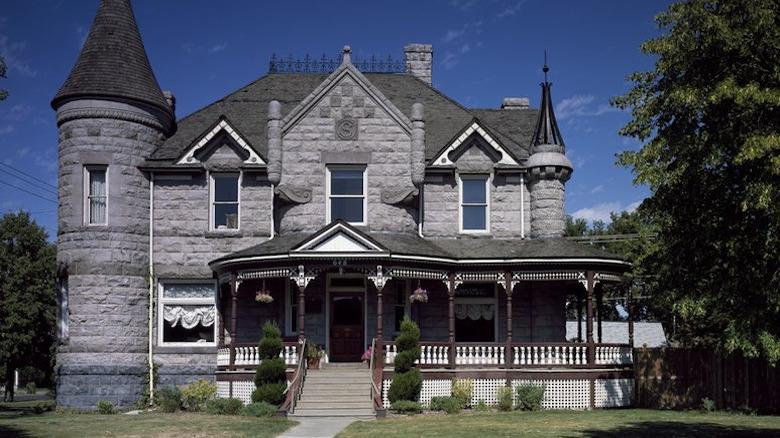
474,206
97,198
347,194
199,312
225,201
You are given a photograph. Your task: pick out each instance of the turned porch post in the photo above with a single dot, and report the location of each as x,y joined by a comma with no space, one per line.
591,344
508,361
220,318
451,318
599,303
630,316
234,284
301,280
379,280
579,315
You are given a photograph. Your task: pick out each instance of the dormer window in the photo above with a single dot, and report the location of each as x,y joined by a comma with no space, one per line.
346,194
474,205
224,201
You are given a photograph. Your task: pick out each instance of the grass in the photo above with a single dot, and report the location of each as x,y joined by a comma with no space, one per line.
619,423
17,420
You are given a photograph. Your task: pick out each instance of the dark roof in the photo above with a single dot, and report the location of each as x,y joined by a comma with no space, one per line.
546,131
247,109
113,62
462,249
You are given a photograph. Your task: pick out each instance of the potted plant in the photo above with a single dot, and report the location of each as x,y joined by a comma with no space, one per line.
419,295
313,355
366,357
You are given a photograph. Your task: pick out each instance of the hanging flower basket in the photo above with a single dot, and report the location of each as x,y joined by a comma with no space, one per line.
419,295
264,296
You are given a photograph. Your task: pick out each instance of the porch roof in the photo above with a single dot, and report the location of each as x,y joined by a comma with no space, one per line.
466,251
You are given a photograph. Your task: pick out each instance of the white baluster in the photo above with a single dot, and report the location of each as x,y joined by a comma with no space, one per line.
516,357
501,357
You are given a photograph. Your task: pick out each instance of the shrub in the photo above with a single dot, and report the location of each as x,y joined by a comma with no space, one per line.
30,387
271,376
407,381
272,393
529,397
482,406
504,396
405,386
707,405
42,407
462,390
224,406
260,409
168,399
195,395
406,407
105,407
450,405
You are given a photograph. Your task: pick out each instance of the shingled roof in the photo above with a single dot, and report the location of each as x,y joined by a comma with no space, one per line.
113,62
247,109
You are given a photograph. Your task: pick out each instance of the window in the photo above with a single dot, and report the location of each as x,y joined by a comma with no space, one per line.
187,313
292,310
474,203
96,195
346,191
224,201
401,308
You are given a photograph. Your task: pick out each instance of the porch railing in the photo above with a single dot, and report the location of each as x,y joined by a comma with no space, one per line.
246,354
437,354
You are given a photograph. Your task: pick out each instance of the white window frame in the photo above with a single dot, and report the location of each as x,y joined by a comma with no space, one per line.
213,202
329,196
163,301
461,204
88,171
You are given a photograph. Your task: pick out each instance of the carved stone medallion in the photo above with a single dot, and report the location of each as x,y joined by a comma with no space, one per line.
346,129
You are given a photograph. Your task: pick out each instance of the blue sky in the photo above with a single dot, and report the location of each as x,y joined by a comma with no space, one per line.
483,51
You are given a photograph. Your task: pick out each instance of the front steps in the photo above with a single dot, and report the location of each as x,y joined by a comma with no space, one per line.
337,390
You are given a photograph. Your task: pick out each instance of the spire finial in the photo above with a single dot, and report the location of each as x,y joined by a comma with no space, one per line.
545,69
346,58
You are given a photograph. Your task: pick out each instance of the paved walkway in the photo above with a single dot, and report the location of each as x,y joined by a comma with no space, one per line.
318,427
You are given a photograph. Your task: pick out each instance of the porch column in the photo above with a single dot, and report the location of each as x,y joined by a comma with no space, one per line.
508,288
301,280
599,303
579,315
234,284
451,318
220,318
591,345
379,281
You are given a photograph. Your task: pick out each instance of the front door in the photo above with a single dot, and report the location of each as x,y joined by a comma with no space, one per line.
346,326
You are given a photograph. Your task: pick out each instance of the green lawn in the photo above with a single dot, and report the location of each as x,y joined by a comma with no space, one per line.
17,420
621,423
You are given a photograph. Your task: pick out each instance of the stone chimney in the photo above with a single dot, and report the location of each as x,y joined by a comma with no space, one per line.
418,61
515,103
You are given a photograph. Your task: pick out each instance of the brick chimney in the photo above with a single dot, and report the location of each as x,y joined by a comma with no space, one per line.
418,61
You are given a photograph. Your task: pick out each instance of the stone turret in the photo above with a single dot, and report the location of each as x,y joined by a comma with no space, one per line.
111,115
548,170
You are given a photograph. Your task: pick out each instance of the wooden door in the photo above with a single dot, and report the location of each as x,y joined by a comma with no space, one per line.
346,326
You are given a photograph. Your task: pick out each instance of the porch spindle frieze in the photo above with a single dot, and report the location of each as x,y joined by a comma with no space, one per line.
547,276
254,274
421,274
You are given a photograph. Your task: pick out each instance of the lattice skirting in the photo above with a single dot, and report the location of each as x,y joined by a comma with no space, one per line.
242,390
614,392
558,394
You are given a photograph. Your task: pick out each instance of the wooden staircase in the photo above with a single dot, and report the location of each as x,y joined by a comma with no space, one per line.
337,390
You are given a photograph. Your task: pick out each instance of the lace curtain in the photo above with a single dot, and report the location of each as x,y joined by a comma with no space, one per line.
475,311
189,316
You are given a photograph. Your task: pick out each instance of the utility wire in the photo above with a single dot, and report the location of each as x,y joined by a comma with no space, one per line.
28,192
43,185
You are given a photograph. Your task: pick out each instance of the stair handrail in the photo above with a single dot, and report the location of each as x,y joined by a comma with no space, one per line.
293,392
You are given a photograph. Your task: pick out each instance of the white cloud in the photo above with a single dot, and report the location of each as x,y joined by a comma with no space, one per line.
218,47
511,10
9,50
462,5
597,189
576,158
600,212
6,129
581,106
452,35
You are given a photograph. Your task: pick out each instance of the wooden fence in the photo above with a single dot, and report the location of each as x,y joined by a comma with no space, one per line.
675,378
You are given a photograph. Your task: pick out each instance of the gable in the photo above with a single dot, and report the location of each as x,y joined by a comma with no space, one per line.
475,135
220,140
339,237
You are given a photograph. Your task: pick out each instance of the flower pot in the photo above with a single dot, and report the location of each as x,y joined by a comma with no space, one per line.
314,363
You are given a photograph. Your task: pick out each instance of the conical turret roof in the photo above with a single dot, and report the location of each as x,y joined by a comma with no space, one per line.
547,132
113,62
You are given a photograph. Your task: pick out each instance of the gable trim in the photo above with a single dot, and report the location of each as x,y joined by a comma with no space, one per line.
336,230
222,125
474,129
316,96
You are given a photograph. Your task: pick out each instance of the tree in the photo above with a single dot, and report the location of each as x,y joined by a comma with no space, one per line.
708,116
27,296
271,374
407,381
3,91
